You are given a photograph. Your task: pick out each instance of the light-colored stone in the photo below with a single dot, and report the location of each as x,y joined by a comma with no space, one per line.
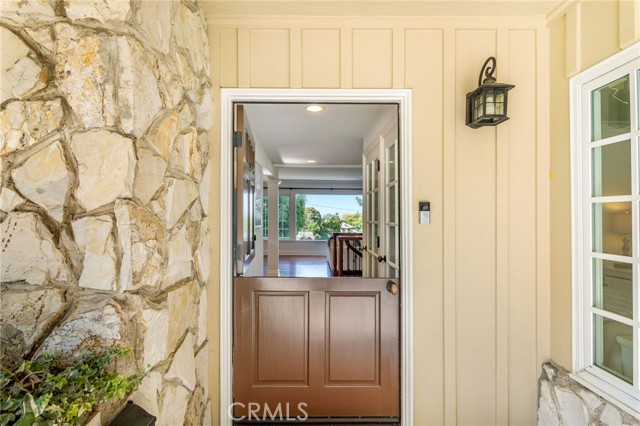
106,167
70,248
183,367
177,198
181,303
42,36
202,369
155,338
29,252
185,156
191,37
547,411
95,240
23,124
611,416
206,418
22,11
592,401
194,409
26,314
44,179
202,317
203,190
150,171
93,324
141,238
138,95
96,420
103,10
549,371
9,199
147,394
204,111
20,74
170,86
179,254
85,68
572,410
163,133
203,254
174,406
155,23
186,117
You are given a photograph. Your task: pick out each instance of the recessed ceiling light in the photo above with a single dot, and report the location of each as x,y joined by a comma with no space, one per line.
314,108
311,161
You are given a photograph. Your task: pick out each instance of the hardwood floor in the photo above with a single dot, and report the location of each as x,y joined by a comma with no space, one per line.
302,266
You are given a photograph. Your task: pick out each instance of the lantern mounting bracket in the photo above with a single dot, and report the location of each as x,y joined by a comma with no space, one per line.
487,71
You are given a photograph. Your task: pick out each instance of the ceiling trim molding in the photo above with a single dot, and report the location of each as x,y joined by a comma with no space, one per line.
560,10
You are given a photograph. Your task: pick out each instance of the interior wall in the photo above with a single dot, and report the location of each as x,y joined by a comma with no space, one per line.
481,277
582,34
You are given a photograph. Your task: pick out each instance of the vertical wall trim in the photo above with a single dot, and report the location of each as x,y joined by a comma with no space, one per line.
573,36
502,243
244,57
346,57
449,193
543,191
295,55
398,58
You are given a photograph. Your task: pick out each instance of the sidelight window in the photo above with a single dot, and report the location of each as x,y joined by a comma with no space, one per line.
606,232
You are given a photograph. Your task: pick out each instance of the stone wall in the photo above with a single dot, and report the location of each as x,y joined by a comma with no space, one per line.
104,111
563,401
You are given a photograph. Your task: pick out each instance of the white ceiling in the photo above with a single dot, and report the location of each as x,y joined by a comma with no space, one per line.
333,138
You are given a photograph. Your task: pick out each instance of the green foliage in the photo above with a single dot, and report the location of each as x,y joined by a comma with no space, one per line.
301,203
46,392
353,219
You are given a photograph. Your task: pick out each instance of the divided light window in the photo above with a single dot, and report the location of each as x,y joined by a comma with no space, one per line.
606,232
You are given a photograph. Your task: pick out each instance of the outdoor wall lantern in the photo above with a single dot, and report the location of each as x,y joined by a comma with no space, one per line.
487,105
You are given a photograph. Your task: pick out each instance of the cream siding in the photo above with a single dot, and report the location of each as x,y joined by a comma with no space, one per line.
481,273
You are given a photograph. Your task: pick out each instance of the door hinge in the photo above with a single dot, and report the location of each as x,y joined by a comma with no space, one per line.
237,252
378,164
377,242
237,139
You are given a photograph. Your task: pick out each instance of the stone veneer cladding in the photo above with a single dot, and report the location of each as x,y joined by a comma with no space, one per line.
105,107
563,401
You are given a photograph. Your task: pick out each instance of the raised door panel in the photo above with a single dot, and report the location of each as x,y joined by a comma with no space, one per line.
353,339
281,339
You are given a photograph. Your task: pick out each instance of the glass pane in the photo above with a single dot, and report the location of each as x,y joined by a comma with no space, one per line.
610,109
391,155
612,228
283,216
391,245
613,346
613,287
265,217
611,167
374,207
392,204
374,172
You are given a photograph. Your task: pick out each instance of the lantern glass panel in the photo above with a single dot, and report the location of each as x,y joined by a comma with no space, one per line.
490,100
500,103
477,106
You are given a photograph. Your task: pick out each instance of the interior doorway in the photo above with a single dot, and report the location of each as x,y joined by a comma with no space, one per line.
383,242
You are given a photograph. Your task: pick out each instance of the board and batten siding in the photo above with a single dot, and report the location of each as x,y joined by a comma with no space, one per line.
481,268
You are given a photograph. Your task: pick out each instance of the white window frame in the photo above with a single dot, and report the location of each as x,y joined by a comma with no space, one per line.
616,390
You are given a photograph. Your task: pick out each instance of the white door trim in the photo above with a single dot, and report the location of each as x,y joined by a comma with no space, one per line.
402,97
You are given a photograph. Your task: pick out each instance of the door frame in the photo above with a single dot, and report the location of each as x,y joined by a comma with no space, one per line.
401,97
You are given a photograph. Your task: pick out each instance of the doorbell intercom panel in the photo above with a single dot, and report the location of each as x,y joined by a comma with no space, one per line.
425,212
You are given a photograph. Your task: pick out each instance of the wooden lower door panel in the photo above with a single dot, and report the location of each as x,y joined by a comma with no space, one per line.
329,343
